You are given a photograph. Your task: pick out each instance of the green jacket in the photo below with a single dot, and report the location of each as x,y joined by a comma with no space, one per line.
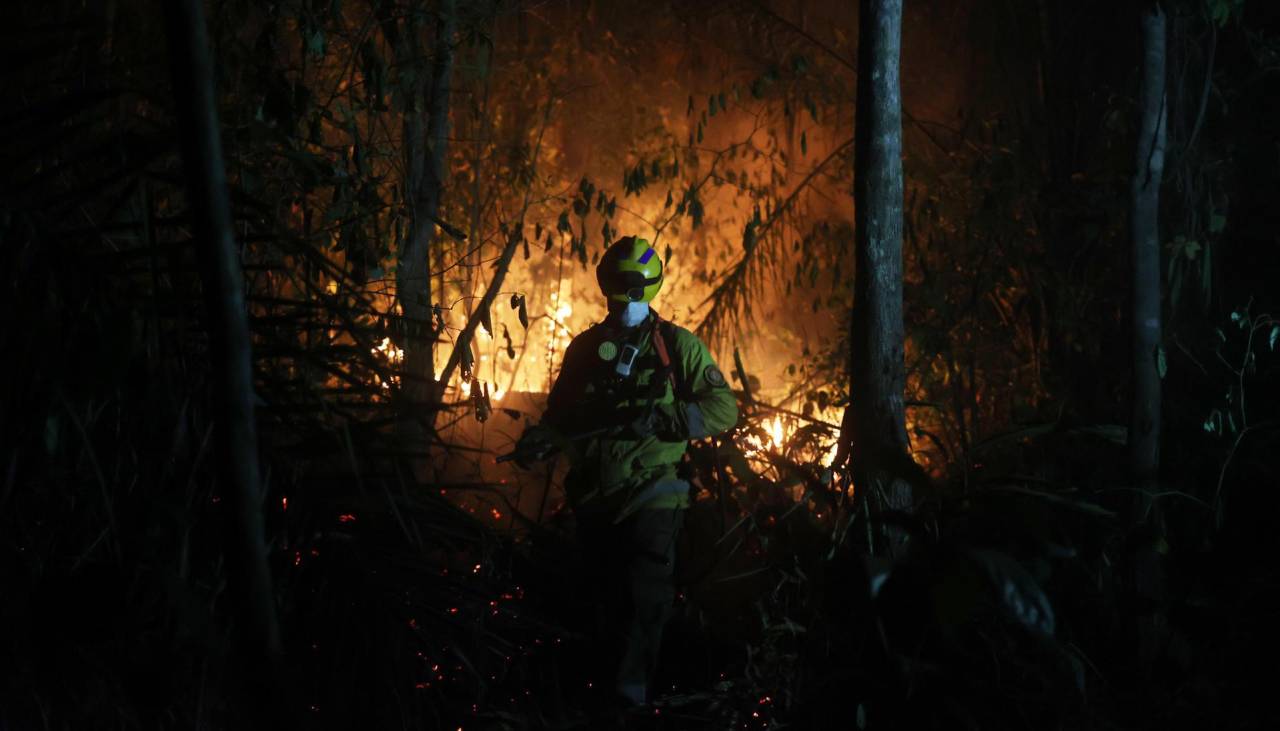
623,471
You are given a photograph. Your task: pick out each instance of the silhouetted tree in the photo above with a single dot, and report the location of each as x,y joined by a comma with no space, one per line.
231,398
874,429
1144,233
426,129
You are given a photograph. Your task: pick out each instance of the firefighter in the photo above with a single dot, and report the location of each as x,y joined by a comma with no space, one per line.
635,389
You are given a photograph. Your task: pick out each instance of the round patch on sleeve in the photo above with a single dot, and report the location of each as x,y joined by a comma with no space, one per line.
713,376
608,350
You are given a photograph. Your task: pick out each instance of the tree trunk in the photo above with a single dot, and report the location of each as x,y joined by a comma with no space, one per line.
875,424
1144,231
1146,563
426,145
248,575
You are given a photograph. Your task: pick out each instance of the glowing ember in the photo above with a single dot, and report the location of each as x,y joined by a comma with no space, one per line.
773,438
389,350
393,355
776,435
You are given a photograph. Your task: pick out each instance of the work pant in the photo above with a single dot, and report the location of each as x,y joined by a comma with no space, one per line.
631,567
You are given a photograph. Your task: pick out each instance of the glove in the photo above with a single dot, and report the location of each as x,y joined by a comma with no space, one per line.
535,444
660,421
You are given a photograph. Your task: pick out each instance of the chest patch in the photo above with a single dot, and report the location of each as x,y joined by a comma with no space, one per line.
608,350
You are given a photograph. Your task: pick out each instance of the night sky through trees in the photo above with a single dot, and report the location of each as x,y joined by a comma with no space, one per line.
995,285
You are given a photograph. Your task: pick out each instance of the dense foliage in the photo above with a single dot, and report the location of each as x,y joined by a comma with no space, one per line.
419,587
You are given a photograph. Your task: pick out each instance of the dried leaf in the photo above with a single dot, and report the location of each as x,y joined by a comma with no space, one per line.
511,348
467,359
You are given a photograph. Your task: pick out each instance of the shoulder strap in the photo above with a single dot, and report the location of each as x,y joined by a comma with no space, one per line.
662,330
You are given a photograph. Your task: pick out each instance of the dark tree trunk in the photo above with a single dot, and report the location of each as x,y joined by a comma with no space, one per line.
874,423
1146,564
426,145
248,575
1144,232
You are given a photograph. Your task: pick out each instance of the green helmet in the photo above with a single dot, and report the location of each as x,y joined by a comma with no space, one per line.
630,271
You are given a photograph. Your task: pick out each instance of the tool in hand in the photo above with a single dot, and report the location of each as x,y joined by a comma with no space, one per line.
544,449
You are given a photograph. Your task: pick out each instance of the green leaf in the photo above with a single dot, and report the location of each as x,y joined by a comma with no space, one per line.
315,43
1206,276
1211,421
1162,363
1275,335
1217,223
51,429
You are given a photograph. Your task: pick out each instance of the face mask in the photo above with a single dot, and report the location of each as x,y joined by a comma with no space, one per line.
631,315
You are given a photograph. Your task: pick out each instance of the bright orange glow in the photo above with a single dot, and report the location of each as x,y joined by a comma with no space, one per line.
393,355
775,435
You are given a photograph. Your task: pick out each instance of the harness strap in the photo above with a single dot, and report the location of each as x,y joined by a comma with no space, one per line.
664,356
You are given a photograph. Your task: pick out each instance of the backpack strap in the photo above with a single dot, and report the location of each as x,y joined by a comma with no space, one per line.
662,331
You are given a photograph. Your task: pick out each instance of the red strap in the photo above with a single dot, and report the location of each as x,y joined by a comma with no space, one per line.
660,345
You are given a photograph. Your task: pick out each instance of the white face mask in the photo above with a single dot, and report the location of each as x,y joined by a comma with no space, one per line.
634,314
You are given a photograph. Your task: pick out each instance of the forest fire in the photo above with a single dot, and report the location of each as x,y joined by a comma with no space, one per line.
393,356
292,283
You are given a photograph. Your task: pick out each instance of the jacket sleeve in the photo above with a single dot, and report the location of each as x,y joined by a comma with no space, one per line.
566,391
709,406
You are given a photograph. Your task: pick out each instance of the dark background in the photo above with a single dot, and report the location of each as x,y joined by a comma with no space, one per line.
418,586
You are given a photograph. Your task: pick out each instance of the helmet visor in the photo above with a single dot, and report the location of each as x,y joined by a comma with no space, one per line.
630,283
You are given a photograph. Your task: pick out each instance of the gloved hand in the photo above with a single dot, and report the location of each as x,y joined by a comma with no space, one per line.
537,442
660,421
